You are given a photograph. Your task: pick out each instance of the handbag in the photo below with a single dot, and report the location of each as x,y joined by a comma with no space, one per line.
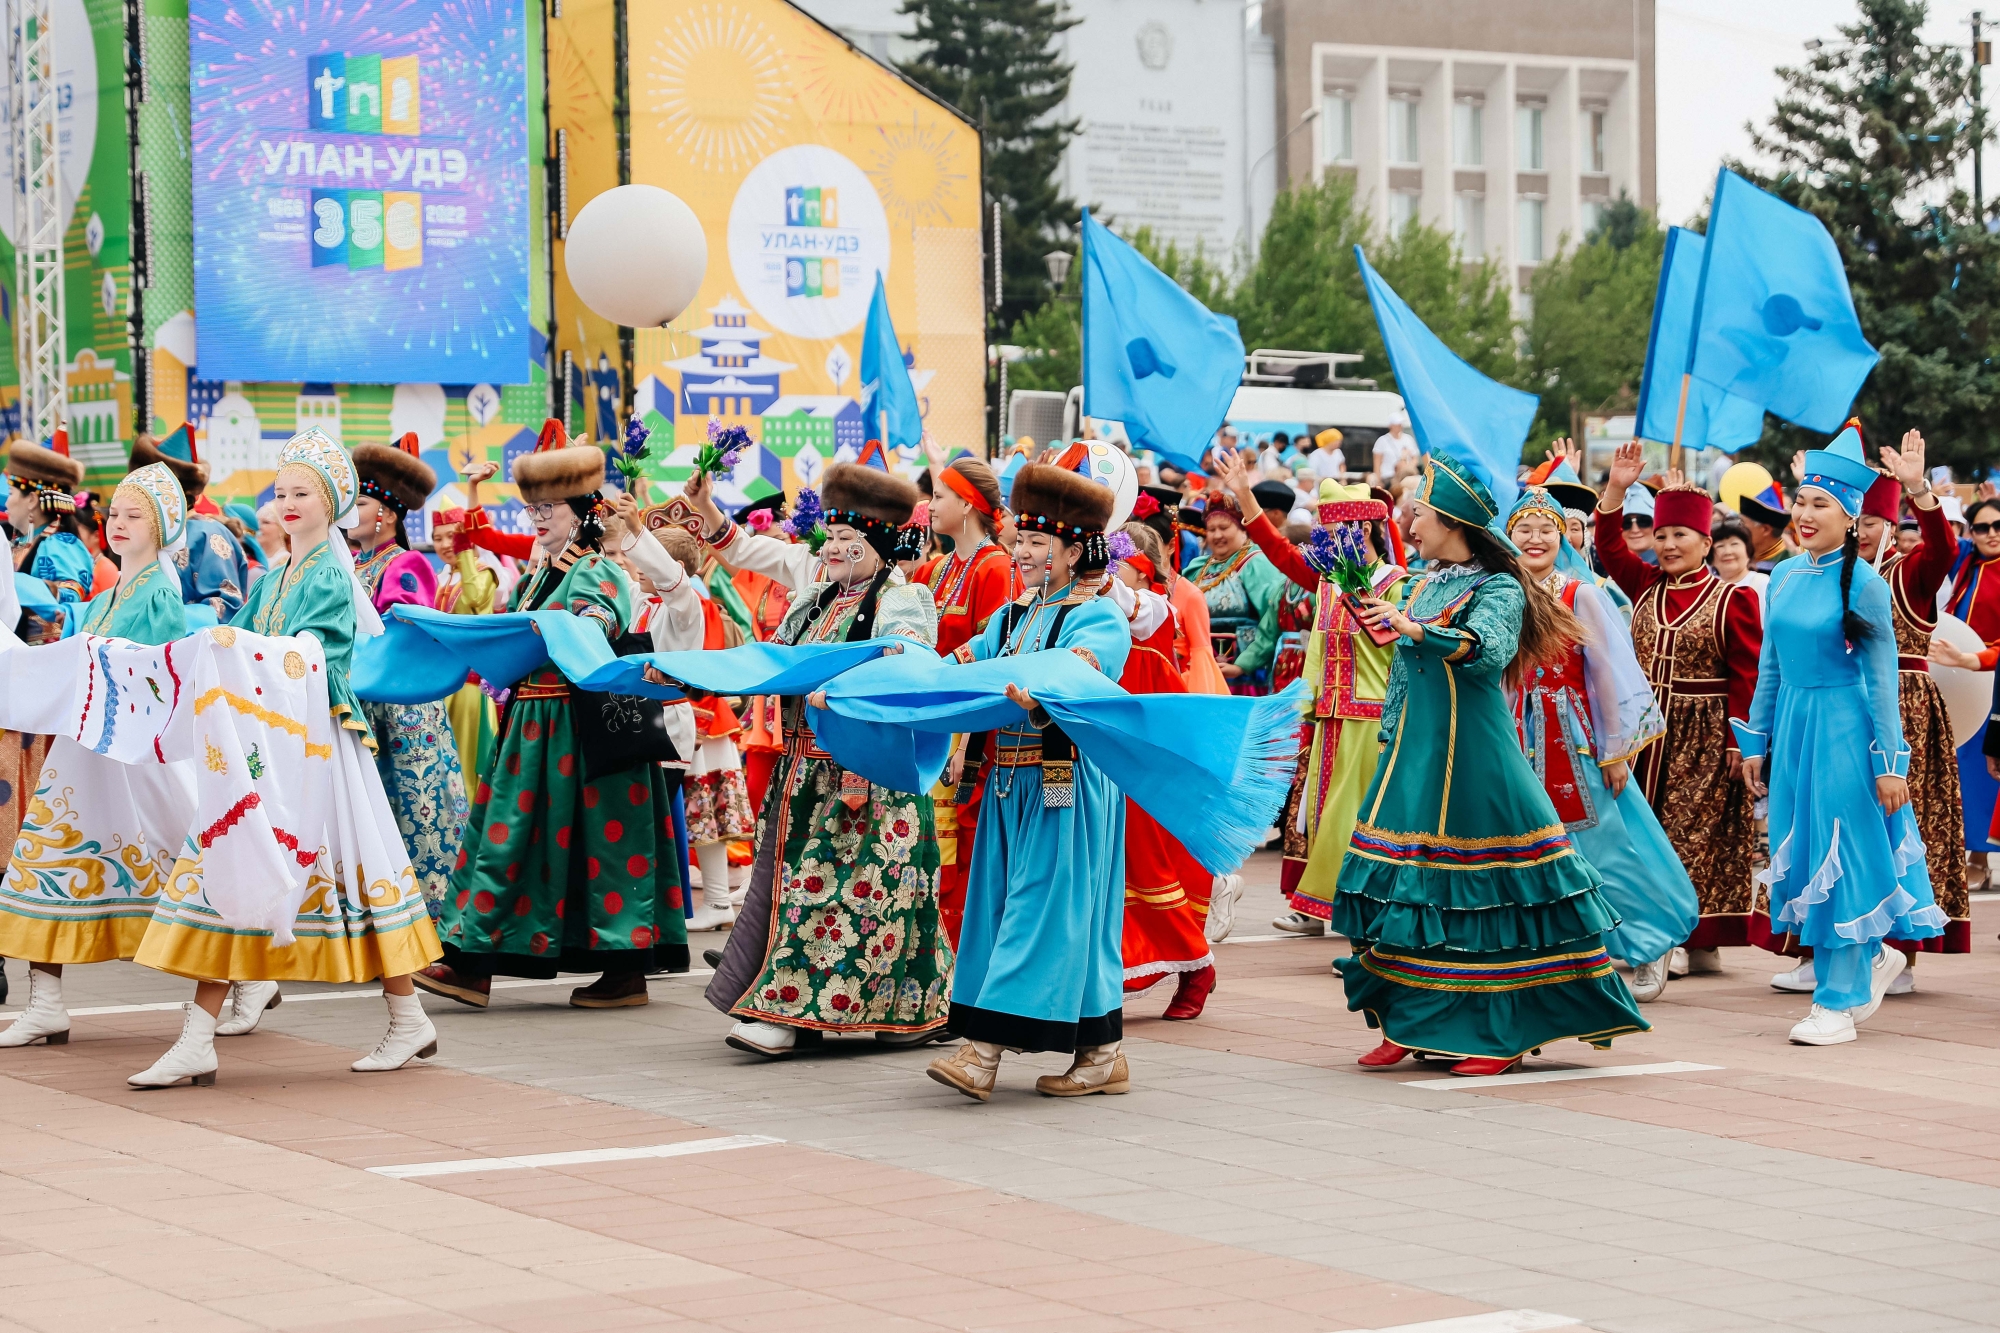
617,732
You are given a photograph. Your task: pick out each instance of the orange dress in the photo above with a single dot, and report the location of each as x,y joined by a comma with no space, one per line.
1192,644
1166,890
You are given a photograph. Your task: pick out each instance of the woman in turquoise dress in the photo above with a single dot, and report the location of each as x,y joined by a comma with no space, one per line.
1825,740
363,916
83,881
415,748
1040,961
1478,930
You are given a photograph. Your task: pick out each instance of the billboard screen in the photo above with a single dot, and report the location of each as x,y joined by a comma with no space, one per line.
361,209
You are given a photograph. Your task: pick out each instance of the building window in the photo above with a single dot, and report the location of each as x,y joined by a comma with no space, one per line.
1588,215
1528,215
1404,143
1528,138
1468,225
1336,126
1402,211
1592,129
1468,134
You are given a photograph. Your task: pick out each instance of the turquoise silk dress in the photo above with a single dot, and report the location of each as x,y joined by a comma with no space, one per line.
1040,961
1843,875
1478,929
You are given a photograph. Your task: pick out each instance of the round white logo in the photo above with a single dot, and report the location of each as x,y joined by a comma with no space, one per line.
807,235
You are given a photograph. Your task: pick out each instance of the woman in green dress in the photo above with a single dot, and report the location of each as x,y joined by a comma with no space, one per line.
1477,927
560,871
83,881
840,929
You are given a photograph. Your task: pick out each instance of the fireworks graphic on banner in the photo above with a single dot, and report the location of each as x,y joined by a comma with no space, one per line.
716,87
839,84
917,169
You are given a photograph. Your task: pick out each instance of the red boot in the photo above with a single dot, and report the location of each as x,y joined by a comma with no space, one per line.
1192,993
1480,1066
1388,1053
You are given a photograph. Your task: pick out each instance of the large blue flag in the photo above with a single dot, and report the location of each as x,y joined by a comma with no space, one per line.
1716,418
1454,410
889,410
1154,358
1774,320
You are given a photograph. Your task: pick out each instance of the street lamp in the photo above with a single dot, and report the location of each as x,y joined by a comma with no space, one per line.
1250,205
1058,266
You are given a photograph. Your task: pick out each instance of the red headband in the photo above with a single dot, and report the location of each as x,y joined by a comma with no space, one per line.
966,491
1142,562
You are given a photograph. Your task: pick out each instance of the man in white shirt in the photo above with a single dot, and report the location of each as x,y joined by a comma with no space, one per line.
1328,462
1392,449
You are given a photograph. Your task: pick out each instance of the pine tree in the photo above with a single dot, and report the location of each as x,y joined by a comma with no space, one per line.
996,61
1869,136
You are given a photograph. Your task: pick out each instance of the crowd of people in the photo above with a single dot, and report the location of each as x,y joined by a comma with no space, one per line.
1537,759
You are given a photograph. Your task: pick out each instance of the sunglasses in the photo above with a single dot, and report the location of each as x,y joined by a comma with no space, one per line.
1985,529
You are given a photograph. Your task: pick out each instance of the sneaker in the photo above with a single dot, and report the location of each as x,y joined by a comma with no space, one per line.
765,1039
1222,907
1704,962
1298,923
1677,962
1905,982
1799,980
1889,964
1649,980
1824,1027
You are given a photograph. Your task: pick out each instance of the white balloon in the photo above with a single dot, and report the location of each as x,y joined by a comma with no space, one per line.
636,255
1968,695
1108,465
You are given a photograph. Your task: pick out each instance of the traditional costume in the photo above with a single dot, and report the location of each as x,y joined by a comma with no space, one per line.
1697,638
1040,966
468,588
1349,673
415,746
1167,892
362,916
83,881
1844,876
1241,592
564,869
1477,929
1579,715
214,571
839,930
1974,597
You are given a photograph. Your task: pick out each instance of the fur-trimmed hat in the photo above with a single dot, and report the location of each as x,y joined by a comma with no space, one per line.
867,491
396,476
43,467
557,469
177,453
1051,499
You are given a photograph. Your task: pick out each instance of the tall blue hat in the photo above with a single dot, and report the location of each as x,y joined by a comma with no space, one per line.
1841,469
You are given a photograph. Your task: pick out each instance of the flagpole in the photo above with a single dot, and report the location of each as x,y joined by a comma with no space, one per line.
1680,420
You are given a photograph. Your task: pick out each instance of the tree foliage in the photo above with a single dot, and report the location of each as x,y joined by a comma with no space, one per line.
996,61
1584,347
1869,136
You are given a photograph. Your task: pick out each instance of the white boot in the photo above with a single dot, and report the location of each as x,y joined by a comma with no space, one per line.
765,1039
1649,980
1222,907
247,1002
1799,979
410,1037
44,1019
715,912
1824,1027
192,1057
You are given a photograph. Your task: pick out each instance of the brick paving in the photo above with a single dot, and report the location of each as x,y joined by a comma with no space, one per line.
1254,1177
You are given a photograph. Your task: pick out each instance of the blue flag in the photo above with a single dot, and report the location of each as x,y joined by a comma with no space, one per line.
1154,358
1716,419
1774,320
1454,410
889,410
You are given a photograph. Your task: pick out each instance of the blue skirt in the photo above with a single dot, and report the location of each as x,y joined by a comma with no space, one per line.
1039,960
1643,878
1978,789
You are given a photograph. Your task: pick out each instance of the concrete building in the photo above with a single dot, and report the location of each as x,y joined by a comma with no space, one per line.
1509,123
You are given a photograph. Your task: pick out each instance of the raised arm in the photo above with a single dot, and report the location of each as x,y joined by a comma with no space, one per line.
1627,570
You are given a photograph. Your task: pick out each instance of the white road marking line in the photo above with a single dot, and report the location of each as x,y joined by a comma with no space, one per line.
1555,1076
1266,939
687,1148
372,992
1497,1321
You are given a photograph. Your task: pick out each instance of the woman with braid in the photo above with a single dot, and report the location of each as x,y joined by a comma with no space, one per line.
1825,738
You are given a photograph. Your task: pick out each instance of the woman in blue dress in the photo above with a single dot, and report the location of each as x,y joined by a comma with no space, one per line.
1040,966
1847,863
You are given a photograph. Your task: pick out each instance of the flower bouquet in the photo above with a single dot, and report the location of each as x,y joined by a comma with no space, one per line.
1340,554
806,523
726,444
628,456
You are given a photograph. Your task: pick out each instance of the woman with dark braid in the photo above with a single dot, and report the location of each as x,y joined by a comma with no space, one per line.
840,929
1825,738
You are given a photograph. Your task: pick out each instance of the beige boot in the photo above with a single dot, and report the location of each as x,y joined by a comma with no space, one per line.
973,1069
1095,1069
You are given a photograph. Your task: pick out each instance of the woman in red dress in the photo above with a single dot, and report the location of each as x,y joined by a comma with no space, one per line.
971,583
